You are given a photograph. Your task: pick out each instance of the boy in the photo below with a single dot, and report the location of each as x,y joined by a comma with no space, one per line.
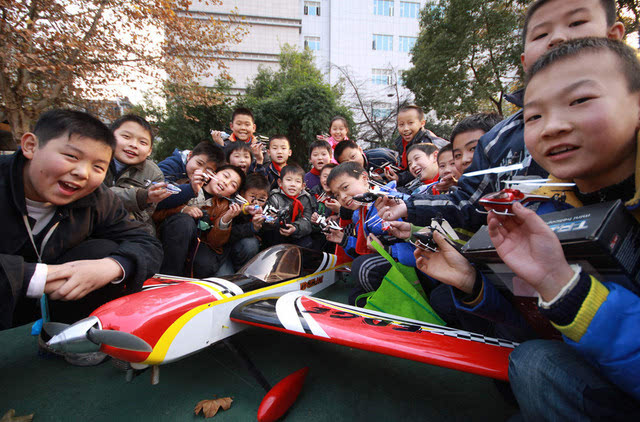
547,24
370,160
467,133
64,234
578,95
204,228
411,123
138,182
449,173
319,155
422,162
240,155
243,127
279,152
291,194
244,240
346,181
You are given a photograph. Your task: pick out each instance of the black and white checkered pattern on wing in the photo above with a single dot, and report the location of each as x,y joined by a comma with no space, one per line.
465,335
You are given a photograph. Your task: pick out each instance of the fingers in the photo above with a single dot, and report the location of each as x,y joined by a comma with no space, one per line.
443,244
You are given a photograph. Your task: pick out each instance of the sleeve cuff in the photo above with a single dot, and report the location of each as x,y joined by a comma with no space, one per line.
126,264
38,281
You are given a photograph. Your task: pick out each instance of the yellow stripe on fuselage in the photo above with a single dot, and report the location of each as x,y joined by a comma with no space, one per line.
162,346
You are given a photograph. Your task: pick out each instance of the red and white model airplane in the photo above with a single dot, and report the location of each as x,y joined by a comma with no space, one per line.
173,317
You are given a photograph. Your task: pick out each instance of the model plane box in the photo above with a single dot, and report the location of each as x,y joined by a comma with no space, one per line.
603,238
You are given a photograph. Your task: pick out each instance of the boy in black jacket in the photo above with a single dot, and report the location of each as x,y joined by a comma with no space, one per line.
64,233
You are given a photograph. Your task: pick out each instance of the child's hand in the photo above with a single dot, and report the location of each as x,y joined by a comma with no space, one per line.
531,249
194,212
446,182
217,137
157,192
197,181
447,265
287,230
391,209
322,137
233,211
335,236
390,174
253,210
257,221
80,278
314,217
370,239
256,148
399,229
333,205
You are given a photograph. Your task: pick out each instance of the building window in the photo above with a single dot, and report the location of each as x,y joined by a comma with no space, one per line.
406,43
311,8
381,76
383,7
382,42
380,110
409,9
312,43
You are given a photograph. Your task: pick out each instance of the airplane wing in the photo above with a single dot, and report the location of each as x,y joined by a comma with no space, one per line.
333,322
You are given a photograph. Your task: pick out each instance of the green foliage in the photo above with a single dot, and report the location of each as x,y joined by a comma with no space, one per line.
182,124
467,56
294,101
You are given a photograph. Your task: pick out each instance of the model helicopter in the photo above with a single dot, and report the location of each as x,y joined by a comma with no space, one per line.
174,317
502,201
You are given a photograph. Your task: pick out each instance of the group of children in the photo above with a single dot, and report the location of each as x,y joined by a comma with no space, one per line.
212,208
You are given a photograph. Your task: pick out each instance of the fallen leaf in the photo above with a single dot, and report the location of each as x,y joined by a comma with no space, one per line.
10,416
210,407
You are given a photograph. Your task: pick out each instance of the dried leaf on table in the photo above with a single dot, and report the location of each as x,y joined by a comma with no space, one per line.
210,407
10,416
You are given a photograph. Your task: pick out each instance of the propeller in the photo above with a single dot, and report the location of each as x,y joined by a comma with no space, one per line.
87,336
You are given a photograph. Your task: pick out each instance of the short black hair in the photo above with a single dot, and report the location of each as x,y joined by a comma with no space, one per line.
279,136
329,166
135,119
236,169
609,7
627,59
242,111
342,145
292,169
417,108
349,168
214,153
426,147
320,144
446,148
256,181
59,122
337,118
481,121
238,146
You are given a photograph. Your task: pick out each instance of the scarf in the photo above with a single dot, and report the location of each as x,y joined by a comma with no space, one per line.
361,238
233,138
298,208
315,172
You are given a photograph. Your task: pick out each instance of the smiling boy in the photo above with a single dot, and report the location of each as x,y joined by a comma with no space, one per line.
279,152
64,233
319,155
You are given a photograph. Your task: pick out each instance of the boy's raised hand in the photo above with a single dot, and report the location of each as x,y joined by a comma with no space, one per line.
287,230
197,180
74,280
216,137
531,249
157,192
333,205
399,229
335,236
314,217
257,221
233,211
391,209
390,174
447,265
256,148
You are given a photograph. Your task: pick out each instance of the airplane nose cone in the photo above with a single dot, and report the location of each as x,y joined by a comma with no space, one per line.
74,339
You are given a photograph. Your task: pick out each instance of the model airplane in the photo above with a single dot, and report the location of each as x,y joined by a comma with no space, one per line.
173,317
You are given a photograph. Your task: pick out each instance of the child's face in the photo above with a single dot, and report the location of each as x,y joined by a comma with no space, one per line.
256,196
422,165
279,151
240,158
464,145
409,124
324,174
133,143
345,187
561,20
447,165
319,157
65,169
338,130
225,183
199,162
351,154
243,127
291,184
581,121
